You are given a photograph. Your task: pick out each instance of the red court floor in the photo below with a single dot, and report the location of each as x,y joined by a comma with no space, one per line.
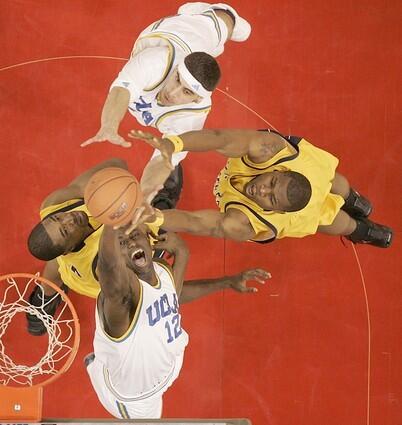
321,343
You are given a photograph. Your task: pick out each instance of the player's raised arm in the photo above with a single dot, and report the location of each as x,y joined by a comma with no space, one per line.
113,112
258,145
175,246
75,189
115,281
230,225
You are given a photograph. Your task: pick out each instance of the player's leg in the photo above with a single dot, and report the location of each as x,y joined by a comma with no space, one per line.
238,29
45,298
95,370
342,225
359,230
355,205
148,408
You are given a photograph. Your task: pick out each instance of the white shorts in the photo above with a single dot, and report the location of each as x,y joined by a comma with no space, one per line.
136,407
190,33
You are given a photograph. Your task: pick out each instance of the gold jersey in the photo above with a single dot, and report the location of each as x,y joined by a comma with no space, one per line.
78,269
299,155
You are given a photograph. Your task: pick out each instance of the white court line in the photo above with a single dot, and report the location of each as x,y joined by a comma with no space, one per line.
266,122
246,107
59,58
369,332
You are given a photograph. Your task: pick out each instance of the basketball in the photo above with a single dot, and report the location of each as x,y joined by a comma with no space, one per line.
112,195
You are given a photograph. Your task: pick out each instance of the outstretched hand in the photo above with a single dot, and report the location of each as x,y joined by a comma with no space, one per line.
145,212
107,135
239,281
155,142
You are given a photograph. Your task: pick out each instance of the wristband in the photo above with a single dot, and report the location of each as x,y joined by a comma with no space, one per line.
177,143
154,226
158,221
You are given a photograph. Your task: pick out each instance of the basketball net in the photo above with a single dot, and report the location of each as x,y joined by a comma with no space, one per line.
21,385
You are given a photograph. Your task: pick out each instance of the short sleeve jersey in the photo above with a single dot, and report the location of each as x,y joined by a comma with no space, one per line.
143,76
300,156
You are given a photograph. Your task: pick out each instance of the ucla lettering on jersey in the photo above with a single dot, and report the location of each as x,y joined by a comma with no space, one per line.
144,108
153,343
163,309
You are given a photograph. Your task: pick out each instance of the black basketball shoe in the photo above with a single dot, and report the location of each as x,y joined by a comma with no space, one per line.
356,205
47,304
368,232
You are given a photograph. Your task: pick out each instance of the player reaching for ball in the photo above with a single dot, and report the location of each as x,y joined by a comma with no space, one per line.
272,187
67,238
138,318
169,79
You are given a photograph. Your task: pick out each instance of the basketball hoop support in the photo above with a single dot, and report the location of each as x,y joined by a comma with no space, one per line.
21,404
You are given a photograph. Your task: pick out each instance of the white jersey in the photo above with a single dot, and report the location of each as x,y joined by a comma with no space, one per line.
143,76
157,51
198,32
142,362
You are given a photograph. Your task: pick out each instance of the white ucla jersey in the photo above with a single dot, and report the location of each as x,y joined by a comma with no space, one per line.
157,51
201,31
143,76
142,361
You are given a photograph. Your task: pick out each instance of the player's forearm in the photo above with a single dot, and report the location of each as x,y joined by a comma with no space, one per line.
51,272
181,258
194,289
115,108
231,143
155,174
109,262
204,222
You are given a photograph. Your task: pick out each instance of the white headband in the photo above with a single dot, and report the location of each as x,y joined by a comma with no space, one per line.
192,83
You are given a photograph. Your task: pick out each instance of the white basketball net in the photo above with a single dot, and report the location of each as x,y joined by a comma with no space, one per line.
60,333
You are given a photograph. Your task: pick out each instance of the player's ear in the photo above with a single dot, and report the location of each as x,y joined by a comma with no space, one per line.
198,99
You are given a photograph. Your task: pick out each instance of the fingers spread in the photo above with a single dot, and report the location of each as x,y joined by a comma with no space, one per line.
259,275
87,142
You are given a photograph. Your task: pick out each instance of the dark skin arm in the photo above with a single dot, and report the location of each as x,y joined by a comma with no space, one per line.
51,272
76,188
120,287
230,225
194,289
175,246
259,146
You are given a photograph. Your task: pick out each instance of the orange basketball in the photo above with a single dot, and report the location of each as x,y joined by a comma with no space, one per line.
112,195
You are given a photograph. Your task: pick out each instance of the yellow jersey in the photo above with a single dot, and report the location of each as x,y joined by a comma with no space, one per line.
78,269
298,155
